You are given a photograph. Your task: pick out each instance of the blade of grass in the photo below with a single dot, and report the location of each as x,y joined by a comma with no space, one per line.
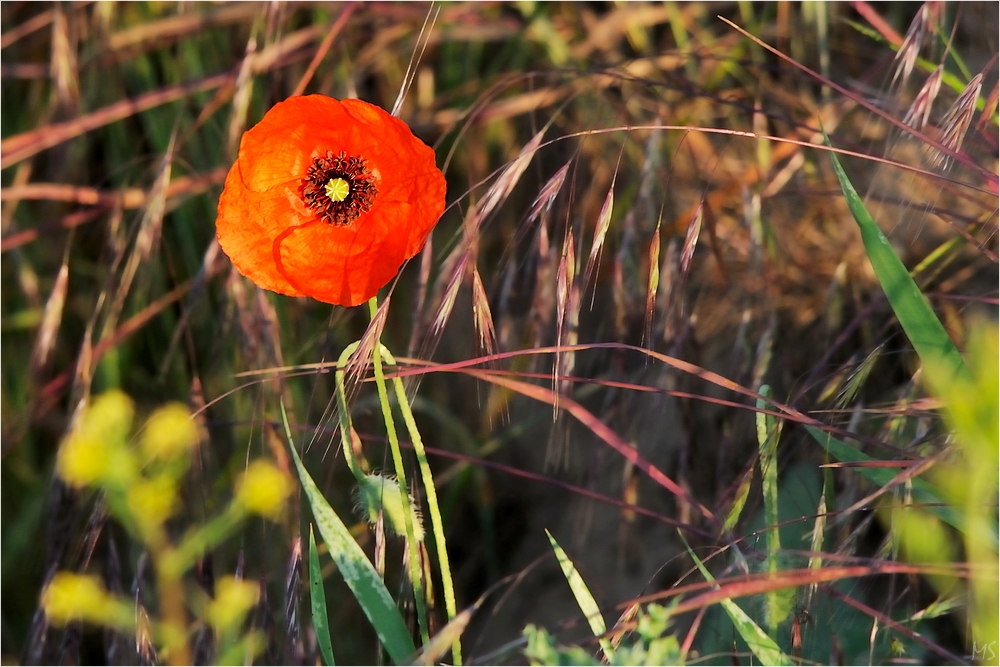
760,644
767,441
602,431
739,500
911,307
317,603
819,531
448,637
923,492
358,571
413,546
586,601
433,509
22,146
889,118
778,603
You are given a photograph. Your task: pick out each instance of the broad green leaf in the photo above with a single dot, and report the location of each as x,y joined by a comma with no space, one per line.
317,603
915,314
357,570
586,601
760,643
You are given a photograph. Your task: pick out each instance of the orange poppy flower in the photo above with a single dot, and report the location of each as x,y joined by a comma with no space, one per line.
327,199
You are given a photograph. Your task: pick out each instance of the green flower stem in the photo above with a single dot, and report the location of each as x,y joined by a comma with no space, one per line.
171,630
175,562
432,501
174,618
171,564
397,459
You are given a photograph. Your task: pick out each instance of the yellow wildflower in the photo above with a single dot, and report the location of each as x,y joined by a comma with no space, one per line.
153,501
263,489
169,433
77,597
233,599
95,451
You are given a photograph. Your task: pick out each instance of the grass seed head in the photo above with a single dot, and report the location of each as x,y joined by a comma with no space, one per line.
378,493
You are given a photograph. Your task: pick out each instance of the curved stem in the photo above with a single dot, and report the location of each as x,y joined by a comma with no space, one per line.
397,459
432,501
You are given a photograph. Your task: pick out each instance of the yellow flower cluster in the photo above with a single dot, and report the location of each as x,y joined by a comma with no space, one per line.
76,597
170,433
141,481
233,599
97,453
263,489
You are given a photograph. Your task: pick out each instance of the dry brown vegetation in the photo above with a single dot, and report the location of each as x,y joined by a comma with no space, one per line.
585,146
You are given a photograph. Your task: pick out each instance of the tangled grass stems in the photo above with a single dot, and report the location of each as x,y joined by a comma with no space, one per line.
725,245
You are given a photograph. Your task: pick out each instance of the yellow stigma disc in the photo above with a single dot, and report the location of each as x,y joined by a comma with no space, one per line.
337,189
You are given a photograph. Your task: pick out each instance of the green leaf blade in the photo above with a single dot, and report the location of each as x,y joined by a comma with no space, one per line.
923,492
778,603
762,646
914,312
359,573
317,603
584,599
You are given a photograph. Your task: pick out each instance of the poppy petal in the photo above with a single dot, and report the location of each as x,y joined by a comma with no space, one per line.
349,264
246,238
281,243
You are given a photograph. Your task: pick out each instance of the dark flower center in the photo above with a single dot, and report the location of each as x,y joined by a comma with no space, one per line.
339,188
